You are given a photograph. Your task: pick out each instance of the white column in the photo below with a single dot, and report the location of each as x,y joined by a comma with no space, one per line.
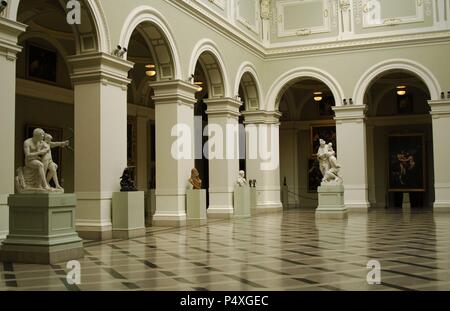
224,168
174,102
352,155
9,32
263,164
371,153
100,90
440,111
142,152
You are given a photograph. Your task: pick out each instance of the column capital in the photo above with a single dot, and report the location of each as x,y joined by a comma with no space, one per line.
352,113
174,91
100,67
9,34
223,107
262,117
440,108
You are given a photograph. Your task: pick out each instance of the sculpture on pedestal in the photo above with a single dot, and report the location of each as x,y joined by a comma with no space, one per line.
241,181
195,180
39,167
127,181
329,166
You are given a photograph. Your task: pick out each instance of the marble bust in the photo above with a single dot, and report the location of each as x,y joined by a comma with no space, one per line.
329,166
195,180
39,168
241,181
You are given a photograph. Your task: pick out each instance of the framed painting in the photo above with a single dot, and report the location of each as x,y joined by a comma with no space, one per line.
407,167
405,104
41,64
325,132
314,175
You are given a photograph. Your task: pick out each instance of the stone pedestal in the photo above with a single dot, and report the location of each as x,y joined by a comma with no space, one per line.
42,229
285,196
242,201
128,215
331,201
150,207
253,199
196,206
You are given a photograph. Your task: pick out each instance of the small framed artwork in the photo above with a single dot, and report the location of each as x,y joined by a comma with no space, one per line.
407,167
405,104
41,64
325,132
131,141
314,175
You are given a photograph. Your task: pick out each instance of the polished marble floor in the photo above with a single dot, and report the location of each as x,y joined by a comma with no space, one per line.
286,251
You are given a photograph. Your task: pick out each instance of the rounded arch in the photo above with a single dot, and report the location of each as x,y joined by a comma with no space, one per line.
146,14
205,46
396,64
98,19
249,68
274,95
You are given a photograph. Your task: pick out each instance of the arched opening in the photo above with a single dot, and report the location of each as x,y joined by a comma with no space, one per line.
150,51
44,90
306,105
209,79
249,95
399,141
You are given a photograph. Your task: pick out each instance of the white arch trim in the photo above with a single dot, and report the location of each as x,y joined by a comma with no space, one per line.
303,72
248,67
144,14
98,16
207,45
396,64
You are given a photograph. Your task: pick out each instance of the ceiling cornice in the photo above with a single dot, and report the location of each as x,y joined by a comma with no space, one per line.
213,20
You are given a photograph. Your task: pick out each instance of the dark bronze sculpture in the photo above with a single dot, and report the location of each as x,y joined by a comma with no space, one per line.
127,180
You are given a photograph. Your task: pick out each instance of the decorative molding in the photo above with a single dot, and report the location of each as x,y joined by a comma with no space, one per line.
177,91
223,107
307,30
100,67
370,21
440,108
44,91
253,25
9,34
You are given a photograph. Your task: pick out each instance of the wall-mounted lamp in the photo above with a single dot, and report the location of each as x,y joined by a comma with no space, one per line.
318,96
401,90
199,86
151,72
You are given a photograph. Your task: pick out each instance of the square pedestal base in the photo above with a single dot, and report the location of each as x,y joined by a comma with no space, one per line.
128,214
196,206
242,201
42,229
331,201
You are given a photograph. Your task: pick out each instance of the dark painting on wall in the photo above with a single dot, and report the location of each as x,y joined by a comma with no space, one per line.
407,163
314,175
405,104
325,132
131,141
41,64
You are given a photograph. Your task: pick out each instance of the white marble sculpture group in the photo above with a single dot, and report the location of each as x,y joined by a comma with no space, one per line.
39,167
328,164
241,181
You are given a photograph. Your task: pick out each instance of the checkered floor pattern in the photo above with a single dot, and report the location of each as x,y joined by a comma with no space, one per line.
286,251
